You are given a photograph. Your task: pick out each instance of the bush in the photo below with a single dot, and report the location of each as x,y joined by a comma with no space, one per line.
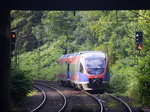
122,75
21,84
144,79
144,89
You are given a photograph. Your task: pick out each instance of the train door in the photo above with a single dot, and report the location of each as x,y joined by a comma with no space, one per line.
68,71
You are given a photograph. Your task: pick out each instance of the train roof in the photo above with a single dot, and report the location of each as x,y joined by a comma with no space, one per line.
83,52
80,53
91,54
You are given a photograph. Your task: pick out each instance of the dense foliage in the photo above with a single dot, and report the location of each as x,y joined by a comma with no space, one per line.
21,84
44,34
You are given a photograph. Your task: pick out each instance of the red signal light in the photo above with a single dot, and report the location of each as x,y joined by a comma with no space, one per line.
139,47
13,34
13,37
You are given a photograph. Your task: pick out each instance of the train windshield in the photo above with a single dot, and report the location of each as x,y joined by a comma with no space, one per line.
95,65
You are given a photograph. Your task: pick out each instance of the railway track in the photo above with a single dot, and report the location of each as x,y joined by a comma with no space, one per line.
93,100
112,103
123,108
105,102
125,105
94,97
97,99
40,107
42,102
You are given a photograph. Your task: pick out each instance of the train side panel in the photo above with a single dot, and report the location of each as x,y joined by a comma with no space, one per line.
62,67
74,70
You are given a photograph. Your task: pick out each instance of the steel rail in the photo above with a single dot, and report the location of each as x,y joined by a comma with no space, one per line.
97,99
64,98
124,103
42,103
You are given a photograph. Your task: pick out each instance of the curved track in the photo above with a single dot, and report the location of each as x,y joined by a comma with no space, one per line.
121,106
124,104
113,103
43,101
97,99
126,107
94,97
41,105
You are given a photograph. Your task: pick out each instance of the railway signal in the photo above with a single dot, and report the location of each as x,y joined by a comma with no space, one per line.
13,40
13,37
139,37
64,51
138,40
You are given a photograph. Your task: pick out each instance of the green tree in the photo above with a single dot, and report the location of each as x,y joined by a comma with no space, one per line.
22,23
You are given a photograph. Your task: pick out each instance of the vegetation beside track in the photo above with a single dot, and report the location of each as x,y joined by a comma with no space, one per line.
21,85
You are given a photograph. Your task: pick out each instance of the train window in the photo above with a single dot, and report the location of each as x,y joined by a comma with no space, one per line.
81,68
95,62
95,65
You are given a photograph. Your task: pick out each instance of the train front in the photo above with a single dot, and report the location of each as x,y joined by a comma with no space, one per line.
96,68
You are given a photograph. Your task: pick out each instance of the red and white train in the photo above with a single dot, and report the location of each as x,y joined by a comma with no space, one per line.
87,70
